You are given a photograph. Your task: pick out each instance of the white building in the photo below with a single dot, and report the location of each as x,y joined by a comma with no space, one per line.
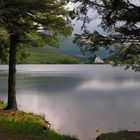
99,60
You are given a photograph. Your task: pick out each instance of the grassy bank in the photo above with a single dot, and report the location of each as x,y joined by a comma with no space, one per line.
18,125
122,135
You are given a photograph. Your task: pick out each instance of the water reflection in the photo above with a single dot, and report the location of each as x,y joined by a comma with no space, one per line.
78,100
50,84
103,85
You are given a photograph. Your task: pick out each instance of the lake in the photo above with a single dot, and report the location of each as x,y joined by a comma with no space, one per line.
81,100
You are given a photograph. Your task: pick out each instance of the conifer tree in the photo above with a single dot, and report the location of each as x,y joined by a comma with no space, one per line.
30,23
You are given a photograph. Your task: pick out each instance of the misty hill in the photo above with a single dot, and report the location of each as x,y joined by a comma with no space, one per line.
68,47
68,53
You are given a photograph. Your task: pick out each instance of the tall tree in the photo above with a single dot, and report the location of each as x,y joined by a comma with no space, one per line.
120,19
31,22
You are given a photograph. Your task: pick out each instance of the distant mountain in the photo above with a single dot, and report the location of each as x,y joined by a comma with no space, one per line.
69,48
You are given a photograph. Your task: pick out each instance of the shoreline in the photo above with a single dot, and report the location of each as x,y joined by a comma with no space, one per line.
26,126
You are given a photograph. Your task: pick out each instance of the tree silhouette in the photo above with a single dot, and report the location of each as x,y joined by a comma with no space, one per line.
120,19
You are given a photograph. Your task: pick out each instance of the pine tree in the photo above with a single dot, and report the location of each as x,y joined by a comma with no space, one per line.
30,22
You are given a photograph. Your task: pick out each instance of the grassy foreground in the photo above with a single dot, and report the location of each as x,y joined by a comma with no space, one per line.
18,125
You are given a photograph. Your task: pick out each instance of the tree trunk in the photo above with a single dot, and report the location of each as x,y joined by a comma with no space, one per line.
12,103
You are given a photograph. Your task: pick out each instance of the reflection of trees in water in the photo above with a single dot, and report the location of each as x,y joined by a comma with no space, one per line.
49,83
59,83
3,85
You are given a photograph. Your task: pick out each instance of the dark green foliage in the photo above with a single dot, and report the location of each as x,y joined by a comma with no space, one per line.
29,23
35,22
122,135
120,19
3,46
90,43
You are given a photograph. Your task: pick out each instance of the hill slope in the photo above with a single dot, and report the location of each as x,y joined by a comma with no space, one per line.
45,55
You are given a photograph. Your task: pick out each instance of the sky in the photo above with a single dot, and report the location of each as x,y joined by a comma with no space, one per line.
94,25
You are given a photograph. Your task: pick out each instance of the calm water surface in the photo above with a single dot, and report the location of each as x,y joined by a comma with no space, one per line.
79,99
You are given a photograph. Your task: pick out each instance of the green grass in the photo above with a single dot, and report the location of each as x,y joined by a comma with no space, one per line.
44,55
122,135
21,125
